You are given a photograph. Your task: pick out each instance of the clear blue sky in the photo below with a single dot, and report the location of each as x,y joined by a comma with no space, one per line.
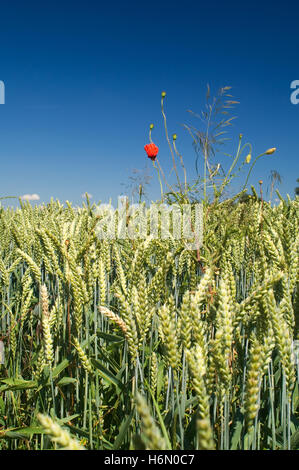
84,79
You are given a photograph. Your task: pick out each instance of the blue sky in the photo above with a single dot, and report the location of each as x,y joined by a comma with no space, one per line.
83,82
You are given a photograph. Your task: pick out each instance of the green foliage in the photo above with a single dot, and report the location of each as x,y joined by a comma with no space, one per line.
152,345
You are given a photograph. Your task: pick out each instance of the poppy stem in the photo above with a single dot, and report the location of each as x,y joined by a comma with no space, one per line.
161,187
259,156
172,155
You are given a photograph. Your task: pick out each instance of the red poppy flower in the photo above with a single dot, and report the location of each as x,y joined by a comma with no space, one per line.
152,151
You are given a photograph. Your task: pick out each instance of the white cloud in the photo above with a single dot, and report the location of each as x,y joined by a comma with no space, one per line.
84,195
30,197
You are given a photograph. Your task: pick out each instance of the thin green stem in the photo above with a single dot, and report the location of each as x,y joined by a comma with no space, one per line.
253,164
172,155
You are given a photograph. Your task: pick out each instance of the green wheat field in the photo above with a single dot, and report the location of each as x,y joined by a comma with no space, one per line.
145,344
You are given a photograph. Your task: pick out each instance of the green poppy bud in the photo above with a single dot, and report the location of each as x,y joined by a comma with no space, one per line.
270,151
